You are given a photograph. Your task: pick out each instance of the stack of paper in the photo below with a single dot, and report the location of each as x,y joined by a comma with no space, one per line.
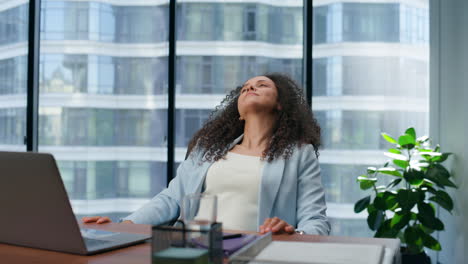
324,253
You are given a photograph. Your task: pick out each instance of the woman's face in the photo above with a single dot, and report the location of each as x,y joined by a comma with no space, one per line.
258,94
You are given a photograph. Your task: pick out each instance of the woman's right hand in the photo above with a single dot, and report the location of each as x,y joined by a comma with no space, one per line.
100,220
96,219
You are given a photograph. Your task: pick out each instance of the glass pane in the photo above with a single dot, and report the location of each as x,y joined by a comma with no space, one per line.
103,93
13,74
370,75
220,45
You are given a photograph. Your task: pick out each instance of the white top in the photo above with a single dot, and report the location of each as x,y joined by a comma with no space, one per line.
236,181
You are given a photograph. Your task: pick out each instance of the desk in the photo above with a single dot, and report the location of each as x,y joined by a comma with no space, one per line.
141,253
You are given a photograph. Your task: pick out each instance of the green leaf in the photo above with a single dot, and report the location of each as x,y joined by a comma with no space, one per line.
443,199
412,236
406,141
401,163
442,157
375,219
390,171
390,199
419,164
422,195
389,138
426,215
400,220
381,188
362,204
386,231
395,151
425,187
426,210
440,176
429,241
365,185
422,139
407,199
363,178
442,170
379,202
425,150
425,229
393,183
431,153
371,170
395,156
410,131
414,177
365,182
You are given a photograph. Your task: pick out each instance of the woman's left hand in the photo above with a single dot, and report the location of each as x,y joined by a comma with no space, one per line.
276,225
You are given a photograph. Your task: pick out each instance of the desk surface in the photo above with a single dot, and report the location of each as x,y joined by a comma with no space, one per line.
141,253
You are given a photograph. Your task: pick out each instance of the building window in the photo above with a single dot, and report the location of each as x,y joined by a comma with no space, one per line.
250,23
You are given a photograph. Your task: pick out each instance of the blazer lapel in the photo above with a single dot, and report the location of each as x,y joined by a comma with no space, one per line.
203,169
270,183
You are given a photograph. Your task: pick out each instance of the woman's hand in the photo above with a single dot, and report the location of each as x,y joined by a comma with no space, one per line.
277,226
100,220
96,219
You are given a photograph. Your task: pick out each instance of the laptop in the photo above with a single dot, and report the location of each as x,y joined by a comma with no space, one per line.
36,211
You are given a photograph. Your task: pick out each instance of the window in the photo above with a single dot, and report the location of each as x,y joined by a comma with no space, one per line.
320,24
370,76
14,24
250,27
13,125
188,122
227,45
103,22
13,74
197,21
371,22
63,73
366,80
103,81
103,84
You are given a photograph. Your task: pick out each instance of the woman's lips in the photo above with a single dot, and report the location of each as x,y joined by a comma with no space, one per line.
252,94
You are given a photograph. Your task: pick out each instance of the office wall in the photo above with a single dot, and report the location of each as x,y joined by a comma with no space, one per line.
449,119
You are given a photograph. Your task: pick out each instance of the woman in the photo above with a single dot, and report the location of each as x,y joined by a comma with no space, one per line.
258,153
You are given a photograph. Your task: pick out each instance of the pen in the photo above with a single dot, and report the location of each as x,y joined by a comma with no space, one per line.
229,236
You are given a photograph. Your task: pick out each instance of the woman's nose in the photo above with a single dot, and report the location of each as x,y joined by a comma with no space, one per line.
252,88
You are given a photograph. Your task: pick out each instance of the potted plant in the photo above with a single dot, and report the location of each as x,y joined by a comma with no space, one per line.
405,207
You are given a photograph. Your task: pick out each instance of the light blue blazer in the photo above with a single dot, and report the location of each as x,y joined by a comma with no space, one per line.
290,189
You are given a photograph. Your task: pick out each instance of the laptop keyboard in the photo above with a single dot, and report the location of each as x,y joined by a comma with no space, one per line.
95,242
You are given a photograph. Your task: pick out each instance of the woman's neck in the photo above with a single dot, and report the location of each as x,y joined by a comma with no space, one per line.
258,131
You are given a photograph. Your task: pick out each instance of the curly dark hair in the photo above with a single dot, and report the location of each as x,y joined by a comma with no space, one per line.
296,124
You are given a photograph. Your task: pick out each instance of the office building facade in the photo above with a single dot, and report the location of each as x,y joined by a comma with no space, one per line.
103,85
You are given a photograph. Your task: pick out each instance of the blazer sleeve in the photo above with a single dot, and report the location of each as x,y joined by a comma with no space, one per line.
311,207
165,206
